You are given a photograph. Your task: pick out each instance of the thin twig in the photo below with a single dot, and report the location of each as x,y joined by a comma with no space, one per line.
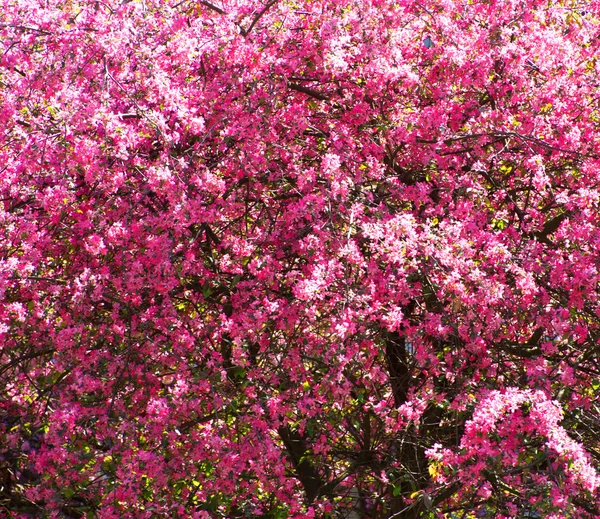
38,278
26,28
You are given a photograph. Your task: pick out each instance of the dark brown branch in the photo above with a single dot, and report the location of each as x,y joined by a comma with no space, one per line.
591,509
305,472
39,278
308,91
396,358
210,235
300,78
28,356
506,135
245,32
445,494
130,115
212,7
550,226
26,28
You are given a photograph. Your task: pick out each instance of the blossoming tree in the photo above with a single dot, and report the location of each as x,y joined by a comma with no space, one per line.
299,259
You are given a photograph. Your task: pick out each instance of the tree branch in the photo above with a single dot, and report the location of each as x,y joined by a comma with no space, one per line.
245,32
212,7
308,91
305,471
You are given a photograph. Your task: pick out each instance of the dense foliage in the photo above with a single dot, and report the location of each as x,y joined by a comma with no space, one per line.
299,259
